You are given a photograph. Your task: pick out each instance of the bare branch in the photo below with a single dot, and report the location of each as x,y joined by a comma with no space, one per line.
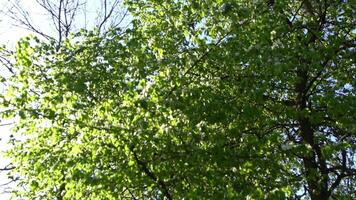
108,13
11,181
22,19
6,124
7,168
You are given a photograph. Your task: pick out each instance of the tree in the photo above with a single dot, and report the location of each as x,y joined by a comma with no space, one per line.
65,16
197,99
54,21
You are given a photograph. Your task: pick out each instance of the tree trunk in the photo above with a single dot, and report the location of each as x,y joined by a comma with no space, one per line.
314,164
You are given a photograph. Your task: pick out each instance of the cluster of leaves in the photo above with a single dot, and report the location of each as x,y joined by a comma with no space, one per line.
198,99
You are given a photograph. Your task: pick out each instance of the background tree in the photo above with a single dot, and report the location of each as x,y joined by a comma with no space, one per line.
197,99
65,16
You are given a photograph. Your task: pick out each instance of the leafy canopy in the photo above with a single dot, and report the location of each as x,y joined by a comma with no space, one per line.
197,100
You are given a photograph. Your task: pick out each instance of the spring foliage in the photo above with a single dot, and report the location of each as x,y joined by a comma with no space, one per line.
195,100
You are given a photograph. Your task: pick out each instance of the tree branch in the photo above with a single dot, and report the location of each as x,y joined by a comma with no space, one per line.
149,173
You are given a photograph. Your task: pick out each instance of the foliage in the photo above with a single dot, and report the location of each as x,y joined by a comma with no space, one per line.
197,100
